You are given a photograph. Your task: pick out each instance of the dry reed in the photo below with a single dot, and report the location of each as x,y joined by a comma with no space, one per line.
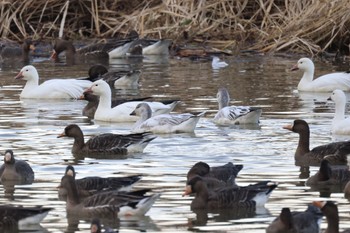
310,26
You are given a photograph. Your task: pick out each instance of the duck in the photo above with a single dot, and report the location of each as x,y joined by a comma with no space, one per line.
93,100
107,143
324,83
336,152
91,185
51,89
217,63
105,204
215,176
13,217
163,123
234,115
330,210
121,112
15,170
247,197
307,221
340,124
327,175
116,79
8,51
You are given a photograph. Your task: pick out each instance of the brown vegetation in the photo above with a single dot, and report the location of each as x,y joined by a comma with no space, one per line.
310,26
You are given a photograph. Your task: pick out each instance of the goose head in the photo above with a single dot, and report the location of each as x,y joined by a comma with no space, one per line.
9,158
305,64
223,97
99,88
143,110
28,73
338,96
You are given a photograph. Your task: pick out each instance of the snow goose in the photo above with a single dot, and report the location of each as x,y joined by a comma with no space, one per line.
324,83
163,123
296,221
13,217
91,185
107,143
248,197
328,175
340,124
106,204
233,115
16,170
51,89
330,210
121,113
217,64
116,79
335,153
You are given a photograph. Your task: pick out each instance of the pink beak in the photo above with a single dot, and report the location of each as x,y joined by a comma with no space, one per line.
89,90
19,75
295,67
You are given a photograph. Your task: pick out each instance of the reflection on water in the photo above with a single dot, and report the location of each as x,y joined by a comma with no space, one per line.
30,128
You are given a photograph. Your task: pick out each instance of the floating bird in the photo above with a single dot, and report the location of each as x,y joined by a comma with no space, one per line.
51,89
107,143
163,123
340,124
324,83
307,221
16,170
233,115
335,153
121,113
217,64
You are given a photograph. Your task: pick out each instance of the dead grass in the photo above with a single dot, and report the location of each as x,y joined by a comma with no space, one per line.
310,26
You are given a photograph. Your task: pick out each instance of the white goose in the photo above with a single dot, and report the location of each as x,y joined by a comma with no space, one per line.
164,123
340,124
234,115
324,83
51,89
121,113
217,64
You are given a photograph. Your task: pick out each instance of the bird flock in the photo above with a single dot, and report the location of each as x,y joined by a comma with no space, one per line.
213,189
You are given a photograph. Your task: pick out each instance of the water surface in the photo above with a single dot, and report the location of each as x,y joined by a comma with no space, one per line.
30,128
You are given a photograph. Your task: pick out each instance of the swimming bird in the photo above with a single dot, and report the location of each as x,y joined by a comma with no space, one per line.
327,175
217,64
116,79
307,221
324,83
105,204
340,124
107,143
93,100
121,113
161,47
163,123
91,185
248,197
13,217
216,176
51,89
233,115
16,170
330,210
335,152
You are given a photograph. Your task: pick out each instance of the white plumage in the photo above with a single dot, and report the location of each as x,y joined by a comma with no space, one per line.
217,64
340,124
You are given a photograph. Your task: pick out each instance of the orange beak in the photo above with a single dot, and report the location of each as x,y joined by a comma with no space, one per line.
188,190
288,127
53,55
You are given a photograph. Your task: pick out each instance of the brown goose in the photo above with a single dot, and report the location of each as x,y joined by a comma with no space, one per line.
328,175
115,79
93,184
248,197
11,217
8,51
107,143
16,170
105,204
215,176
330,210
297,222
93,100
335,153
